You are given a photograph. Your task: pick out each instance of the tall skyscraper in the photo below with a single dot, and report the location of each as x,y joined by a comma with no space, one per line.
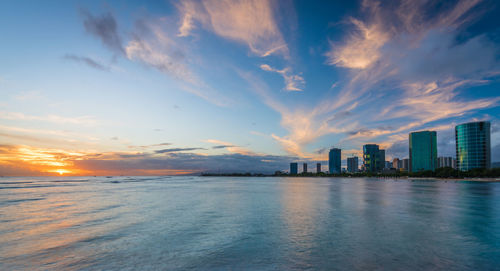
473,145
294,168
304,167
382,161
423,151
318,168
352,164
372,159
446,162
334,161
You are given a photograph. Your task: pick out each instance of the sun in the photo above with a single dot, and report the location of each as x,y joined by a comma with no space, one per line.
61,171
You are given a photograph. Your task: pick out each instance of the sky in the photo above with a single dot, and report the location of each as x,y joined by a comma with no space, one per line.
183,87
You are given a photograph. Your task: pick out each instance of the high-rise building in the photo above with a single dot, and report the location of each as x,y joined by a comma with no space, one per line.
334,161
304,168
473,145
318,168
372,158
406,164
382,161
293,168
396,163
423,151
446,162
352,164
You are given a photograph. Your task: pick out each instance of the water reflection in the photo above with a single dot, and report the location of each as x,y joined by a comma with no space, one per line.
303,203
216,223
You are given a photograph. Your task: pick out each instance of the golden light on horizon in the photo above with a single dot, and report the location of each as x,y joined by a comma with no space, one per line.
62,171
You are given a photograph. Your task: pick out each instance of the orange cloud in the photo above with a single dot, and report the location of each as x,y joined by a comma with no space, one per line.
251,22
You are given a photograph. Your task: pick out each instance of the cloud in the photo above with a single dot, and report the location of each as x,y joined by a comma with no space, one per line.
361,49
221,146
154,46
83,120
405,64
186,26
152,43
88,61
150,146
292,82
230,147
251,22
22,160
188,162
178,150
105,28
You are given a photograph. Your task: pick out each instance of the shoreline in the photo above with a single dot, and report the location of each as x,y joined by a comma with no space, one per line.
474,179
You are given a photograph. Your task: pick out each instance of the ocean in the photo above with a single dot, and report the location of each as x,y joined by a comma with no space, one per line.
246,223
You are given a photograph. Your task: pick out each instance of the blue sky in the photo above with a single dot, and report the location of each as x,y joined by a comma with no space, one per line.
170,87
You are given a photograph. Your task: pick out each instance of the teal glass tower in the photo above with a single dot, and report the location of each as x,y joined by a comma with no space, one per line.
293,168
423,151
334,161
473,145
373,158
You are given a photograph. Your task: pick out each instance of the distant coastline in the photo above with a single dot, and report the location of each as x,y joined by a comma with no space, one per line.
409,178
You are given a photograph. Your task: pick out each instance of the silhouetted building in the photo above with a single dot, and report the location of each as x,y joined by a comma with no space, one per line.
318,168
473,145
334,161
352,164
423,151
294,168
304,168
372,158
446,162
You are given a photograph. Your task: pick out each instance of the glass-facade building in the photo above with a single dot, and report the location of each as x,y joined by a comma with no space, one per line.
473,145
334,161
373,158
423,151
294,168
352,164
318,168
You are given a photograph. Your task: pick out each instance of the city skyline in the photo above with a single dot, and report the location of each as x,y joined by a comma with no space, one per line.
473,149
147,88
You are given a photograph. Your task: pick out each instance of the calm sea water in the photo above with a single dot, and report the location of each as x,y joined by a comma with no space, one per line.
214,223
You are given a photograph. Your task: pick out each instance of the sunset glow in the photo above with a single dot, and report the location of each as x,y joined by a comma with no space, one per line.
237,86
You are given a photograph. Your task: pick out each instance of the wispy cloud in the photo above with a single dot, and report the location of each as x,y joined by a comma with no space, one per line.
153,43
404,64
88,61
230,147
178,150
83,120
149,146
105,28
292,82
251,22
